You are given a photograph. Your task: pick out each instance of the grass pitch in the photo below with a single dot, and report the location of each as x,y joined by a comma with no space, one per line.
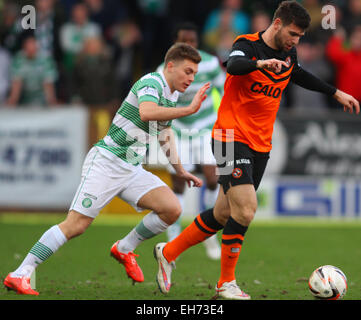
276,260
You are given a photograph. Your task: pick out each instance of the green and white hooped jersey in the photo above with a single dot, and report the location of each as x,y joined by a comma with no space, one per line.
209,70
128,137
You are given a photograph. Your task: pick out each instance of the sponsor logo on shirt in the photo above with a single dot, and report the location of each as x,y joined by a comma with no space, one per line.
268,91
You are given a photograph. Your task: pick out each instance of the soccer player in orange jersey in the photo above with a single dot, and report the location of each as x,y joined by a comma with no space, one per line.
259,68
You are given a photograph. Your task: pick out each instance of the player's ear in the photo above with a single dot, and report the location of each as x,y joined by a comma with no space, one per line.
277,23
170,66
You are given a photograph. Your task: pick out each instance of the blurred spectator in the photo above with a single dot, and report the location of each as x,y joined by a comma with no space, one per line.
127,37
352,15
155,24
33,76
94,74
224,24
190,10
106,13
10,27
4,74
314,9
260,21
67,6
346,57
94,81
49,18
310,53
74,33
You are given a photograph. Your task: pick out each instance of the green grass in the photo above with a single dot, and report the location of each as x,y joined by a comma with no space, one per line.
276,260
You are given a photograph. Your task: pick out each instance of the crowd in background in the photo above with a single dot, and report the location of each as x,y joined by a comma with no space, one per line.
90,52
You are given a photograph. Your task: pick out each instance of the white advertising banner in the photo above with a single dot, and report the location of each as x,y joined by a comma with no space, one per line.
297,196
41,155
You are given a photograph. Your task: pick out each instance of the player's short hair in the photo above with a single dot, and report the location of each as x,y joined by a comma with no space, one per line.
187,25
293,12
182,51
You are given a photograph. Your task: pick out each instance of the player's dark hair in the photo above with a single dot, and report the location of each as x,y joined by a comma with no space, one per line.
187,25
293,12
182,51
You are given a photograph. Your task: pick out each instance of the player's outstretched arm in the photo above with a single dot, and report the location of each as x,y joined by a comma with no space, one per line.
150,111
349,102
167,142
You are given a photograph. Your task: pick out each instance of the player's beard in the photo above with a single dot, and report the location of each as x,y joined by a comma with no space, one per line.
278,40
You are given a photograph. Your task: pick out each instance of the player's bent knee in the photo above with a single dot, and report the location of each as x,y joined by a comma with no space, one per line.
175,212
75,224
247,218
170,213
245,214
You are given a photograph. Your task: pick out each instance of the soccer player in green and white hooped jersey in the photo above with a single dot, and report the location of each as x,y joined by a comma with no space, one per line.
113,168
193,132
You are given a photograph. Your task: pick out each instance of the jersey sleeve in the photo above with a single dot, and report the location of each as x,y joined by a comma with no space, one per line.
307,80
149,90
240,59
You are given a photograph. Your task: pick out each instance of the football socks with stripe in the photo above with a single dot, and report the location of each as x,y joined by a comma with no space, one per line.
49,243
149,227
203,226
232,240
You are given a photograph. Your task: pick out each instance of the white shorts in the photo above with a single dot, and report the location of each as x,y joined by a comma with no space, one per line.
194,151
105,176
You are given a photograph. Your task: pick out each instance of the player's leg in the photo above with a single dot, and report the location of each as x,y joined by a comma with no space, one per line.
178,187
75,224
243,204
95,191
147,191
240,187
165,211
55,237
203,226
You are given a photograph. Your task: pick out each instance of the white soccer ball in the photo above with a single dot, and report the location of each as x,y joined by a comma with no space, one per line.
328,282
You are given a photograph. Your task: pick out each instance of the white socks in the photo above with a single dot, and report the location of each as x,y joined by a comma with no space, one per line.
150,226
49,242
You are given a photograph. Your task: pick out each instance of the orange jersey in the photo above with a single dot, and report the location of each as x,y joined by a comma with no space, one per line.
250,102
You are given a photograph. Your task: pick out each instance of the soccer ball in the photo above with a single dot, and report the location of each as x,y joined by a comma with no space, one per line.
328,282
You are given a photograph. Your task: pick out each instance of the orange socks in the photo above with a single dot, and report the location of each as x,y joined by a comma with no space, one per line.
203,226
232,239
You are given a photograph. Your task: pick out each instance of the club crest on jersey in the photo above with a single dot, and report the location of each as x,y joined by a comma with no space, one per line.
288,61
237,173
